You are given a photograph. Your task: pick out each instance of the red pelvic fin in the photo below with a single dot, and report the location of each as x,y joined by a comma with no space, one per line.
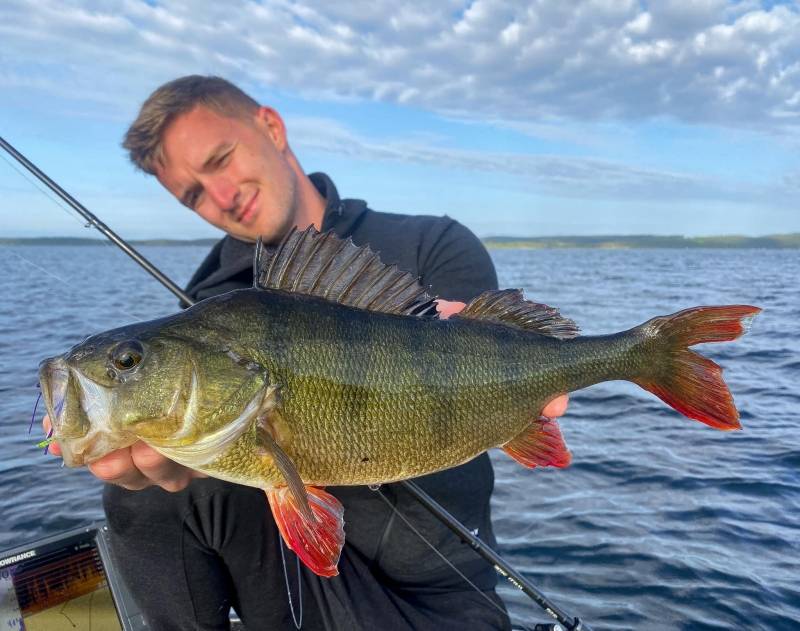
540,445
318,543
688,382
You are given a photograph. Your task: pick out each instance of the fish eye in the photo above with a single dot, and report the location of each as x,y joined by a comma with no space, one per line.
127,355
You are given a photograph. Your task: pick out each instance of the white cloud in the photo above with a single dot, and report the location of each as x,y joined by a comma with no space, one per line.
560,176
709,61
544,68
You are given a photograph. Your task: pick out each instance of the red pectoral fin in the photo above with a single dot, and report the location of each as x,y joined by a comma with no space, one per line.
540,445
318,543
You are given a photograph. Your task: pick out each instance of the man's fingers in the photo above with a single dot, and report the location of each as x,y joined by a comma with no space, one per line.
446,308
118,468
556,407
136,467
47,426
162,471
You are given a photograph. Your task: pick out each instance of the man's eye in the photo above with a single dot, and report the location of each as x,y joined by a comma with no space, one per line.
191,200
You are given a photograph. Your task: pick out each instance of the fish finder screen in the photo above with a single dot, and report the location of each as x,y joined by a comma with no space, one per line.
59,589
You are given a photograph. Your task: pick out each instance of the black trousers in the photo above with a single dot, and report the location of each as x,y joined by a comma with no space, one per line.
190,556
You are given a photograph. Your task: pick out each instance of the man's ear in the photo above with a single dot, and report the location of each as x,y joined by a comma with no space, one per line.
271,123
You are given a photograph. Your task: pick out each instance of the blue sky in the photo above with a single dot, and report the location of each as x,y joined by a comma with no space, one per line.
525,118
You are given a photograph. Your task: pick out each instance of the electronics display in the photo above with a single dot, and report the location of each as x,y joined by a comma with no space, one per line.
64,582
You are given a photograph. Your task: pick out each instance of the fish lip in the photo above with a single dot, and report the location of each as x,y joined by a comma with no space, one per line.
54,380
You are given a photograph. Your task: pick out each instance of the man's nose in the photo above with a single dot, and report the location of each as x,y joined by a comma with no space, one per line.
223,192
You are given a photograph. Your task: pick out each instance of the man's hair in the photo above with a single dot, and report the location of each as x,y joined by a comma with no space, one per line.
143,138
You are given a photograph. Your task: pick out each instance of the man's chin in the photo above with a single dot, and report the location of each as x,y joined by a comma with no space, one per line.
249,234
272,234
269,231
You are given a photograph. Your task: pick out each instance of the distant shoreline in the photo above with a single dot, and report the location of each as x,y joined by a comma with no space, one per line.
88,241
624,242
606,242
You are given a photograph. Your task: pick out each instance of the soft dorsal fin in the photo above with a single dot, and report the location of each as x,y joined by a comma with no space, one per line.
509,307
326,266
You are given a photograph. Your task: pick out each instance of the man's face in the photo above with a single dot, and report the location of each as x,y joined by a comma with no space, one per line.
233,172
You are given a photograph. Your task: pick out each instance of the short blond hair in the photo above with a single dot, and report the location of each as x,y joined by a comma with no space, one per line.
143,138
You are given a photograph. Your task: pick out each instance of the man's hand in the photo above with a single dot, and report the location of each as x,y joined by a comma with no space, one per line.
554,409
136,467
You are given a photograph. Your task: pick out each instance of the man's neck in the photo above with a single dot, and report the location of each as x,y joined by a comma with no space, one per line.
310,203
311,206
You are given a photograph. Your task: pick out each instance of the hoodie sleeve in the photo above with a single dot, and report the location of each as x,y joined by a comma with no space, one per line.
453,261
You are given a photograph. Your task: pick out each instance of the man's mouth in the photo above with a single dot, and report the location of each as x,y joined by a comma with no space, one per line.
248,211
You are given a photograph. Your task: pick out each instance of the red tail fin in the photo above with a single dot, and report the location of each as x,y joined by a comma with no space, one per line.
688,382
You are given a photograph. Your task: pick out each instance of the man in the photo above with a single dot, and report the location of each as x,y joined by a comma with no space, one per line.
191,554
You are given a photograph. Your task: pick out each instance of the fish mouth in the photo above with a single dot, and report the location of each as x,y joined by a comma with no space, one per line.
54,379
79,411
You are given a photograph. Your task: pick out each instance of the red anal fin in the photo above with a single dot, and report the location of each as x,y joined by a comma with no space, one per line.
318,543
540,445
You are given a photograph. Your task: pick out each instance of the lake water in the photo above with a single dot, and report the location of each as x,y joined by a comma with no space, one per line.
660,522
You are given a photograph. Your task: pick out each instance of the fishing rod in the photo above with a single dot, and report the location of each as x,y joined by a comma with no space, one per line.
500,565
94,221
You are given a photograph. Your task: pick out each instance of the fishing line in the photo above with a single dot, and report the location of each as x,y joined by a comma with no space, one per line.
49,196
297,624
47,446
35,407
39,267
440,555
64,285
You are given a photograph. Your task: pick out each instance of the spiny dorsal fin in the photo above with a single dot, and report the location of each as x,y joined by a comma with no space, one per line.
508,306
326,266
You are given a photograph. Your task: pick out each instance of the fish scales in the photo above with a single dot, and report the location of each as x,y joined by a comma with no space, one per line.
394,397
